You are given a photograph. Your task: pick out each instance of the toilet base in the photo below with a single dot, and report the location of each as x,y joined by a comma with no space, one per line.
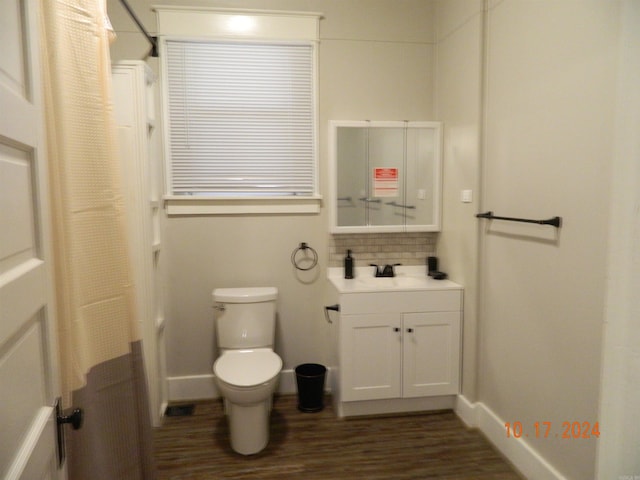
248,426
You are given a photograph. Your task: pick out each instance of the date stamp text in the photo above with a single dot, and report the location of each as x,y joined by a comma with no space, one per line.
567,430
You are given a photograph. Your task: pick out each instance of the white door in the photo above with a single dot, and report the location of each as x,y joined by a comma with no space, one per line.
28,372
431,355
370,348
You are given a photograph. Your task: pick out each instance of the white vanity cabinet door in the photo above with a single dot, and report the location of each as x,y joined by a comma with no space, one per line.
431,354
370,356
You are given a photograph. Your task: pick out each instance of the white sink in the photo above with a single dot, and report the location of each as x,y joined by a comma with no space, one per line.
407,278
399,281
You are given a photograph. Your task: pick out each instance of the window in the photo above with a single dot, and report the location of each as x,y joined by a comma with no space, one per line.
241,125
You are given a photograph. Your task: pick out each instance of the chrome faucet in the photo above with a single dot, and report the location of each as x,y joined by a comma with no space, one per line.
386,271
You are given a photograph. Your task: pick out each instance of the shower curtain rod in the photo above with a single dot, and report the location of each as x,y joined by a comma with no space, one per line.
152,40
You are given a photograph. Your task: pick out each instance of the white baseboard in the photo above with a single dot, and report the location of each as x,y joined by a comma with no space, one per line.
466,411
192,387
393,405
203,387
522,455
287,384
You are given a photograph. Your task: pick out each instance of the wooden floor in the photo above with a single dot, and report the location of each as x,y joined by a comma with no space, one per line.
318,446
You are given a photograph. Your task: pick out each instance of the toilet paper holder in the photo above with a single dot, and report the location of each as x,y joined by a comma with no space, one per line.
335,308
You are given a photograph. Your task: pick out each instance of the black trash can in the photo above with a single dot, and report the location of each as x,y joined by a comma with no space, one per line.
310,381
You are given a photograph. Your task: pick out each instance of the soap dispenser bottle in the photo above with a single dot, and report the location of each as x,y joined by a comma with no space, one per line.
348,265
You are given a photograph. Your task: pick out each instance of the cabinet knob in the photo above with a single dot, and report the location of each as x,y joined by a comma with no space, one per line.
410,330
396,329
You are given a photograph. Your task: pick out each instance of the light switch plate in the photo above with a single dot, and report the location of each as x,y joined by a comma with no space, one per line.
466,196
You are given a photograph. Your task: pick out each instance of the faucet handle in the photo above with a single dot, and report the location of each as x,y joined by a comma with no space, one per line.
388,270
378,271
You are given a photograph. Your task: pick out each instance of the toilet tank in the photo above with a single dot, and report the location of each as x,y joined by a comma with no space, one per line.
245,317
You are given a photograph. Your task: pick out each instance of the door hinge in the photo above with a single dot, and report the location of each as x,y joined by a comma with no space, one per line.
75,419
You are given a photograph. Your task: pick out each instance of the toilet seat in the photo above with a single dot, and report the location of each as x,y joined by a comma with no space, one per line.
247,368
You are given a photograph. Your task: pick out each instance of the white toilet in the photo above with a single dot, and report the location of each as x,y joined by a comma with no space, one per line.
247,370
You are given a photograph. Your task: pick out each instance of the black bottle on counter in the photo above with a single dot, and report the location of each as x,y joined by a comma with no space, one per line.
348,265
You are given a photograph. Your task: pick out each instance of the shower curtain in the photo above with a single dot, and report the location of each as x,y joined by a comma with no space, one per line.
102,369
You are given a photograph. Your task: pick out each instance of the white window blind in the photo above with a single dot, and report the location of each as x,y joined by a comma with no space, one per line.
241,118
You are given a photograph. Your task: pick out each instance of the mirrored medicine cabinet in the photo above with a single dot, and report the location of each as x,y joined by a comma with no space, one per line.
385,176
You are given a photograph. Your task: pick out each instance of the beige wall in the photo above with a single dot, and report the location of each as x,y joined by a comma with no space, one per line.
549,105
458,102
376,62
548,132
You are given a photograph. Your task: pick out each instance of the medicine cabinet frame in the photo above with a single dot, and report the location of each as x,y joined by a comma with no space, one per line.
373,196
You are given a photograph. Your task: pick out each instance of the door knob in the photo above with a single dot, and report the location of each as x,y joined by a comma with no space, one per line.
75,419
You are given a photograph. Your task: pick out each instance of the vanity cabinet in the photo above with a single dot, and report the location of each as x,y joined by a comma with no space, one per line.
397,351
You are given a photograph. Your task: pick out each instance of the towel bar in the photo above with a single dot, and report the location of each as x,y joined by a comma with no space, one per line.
555,221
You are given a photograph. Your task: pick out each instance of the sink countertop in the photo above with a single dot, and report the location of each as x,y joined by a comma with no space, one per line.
408,278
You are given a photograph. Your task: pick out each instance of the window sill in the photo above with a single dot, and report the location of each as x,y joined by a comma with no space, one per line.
178,205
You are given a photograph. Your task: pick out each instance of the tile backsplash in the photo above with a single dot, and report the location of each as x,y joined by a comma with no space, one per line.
382,248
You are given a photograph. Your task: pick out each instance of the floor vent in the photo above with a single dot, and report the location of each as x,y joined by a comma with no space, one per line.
180,410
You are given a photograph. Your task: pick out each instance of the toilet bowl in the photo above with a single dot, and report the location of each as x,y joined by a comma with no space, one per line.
247,370
246,380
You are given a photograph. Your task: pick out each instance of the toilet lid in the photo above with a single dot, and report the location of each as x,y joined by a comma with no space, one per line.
246,368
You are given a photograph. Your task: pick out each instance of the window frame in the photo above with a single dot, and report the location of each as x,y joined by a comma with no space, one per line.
202,24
